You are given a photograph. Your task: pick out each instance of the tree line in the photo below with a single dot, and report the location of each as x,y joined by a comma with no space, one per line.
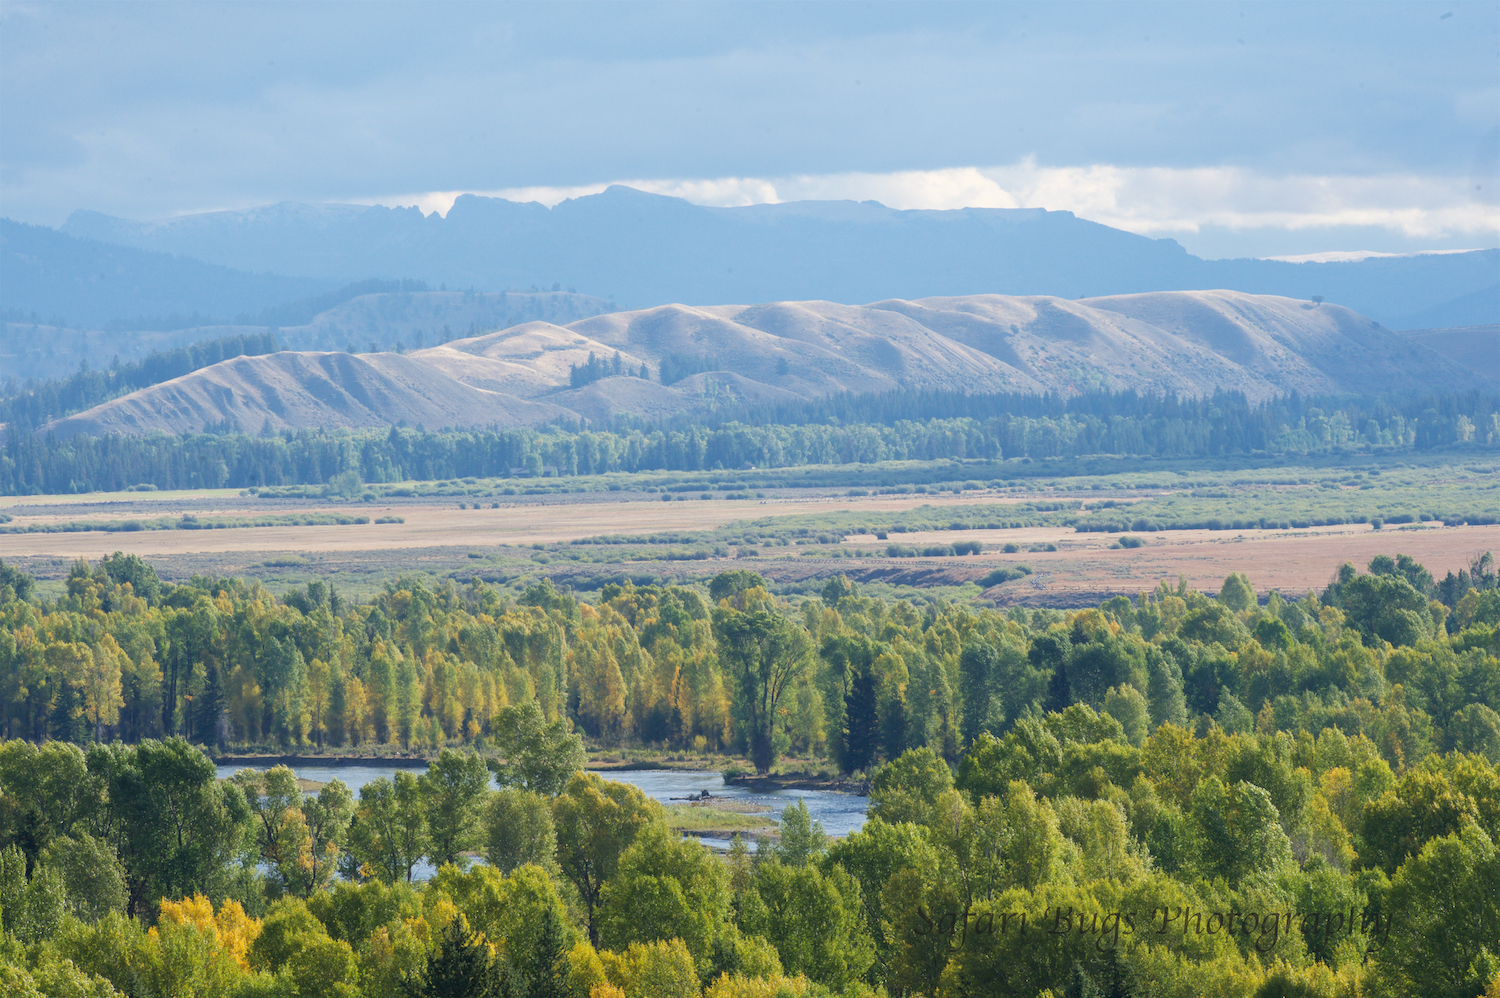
1178,795
1120,424
851,677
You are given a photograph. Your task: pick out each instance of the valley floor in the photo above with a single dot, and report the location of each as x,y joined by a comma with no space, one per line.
500,545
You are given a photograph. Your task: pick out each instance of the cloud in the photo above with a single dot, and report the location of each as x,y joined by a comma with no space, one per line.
1152,201
145,110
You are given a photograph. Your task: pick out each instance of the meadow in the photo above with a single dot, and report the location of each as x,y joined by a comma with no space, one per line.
1063,538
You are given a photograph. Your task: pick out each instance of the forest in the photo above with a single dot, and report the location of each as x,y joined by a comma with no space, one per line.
1185,793
899,426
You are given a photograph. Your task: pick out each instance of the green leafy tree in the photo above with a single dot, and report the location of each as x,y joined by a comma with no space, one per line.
174,826
1476,728
978,670
1445,911
453,792
1240,828
596,822
728,585
1213,623
389,833
45,791
1386,608
31,909
1237,593
21,585
666,888
815,920
876,856
538,755
762,652
1424,805
907,788
92,875
299,836
324,966
801,841
518,830
275,799
1126,705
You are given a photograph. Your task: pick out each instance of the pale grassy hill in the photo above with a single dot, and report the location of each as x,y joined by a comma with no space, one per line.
1188,342
305,391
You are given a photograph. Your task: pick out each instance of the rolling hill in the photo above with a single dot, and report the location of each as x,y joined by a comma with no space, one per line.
1189,342
307,390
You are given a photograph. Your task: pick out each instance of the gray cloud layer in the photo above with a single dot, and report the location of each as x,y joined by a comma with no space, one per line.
148,110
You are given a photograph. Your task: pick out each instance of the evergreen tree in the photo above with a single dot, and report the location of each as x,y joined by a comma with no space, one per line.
1050,652
1164,695
547,967
976,668
461,967
861,722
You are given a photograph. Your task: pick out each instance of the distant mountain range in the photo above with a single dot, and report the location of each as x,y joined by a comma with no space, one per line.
89,284
643,250
1191,342
384,321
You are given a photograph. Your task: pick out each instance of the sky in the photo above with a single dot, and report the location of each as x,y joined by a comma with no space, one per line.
1239,129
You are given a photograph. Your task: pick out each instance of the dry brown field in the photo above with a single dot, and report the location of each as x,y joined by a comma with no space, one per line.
430,524
1086,570
439,538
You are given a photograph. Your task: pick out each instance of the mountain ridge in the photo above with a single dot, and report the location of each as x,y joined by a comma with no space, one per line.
643,249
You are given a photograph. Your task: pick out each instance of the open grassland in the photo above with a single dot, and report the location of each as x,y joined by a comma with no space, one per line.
1042,540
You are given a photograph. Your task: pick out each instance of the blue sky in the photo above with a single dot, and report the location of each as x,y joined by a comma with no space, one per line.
1237,128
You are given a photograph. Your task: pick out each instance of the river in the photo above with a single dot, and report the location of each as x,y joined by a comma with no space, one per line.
838,813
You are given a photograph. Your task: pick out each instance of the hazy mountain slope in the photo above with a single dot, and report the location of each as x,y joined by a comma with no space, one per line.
1190,343
307,390
31,350
644,249
1479,308
1475,348
89,283
427,318
412,319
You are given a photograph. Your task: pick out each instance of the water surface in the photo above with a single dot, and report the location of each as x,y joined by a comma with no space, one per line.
839,813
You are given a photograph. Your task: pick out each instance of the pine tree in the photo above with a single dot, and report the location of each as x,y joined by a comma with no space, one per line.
1050,652
975,671
1059,694
547,970
461,968
861,722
